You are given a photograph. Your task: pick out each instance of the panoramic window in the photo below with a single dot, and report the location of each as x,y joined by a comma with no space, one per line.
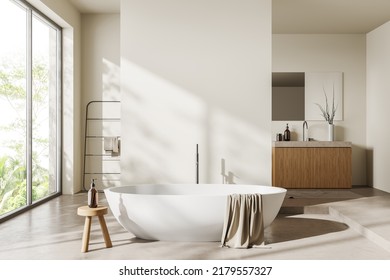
30,97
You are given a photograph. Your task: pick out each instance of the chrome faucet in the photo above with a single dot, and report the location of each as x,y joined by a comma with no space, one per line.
197,164
307,128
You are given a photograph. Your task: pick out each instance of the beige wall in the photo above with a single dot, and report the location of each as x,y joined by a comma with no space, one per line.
196,71
322,53
378,100
100,81
100,57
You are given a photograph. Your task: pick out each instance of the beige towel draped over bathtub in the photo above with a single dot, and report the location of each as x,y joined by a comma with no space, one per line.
243,225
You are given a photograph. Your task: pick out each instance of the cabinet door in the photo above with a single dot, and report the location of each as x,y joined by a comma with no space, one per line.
292,167
331,167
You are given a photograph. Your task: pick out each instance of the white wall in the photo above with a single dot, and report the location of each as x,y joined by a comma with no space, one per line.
100,57
100,81
65,15
196,71
378,100
322,53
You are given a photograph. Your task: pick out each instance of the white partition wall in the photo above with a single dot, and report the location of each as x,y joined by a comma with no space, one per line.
378,100
196,72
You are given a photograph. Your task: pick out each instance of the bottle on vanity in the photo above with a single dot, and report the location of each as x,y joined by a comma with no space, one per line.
287,134
93,195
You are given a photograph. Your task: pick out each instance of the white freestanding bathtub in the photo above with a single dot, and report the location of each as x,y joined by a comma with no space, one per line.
182,212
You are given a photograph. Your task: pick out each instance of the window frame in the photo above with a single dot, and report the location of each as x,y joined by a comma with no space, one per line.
31,12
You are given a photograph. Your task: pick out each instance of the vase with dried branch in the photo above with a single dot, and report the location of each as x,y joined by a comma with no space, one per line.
329,114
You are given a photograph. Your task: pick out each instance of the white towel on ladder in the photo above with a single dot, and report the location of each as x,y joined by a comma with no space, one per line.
111,144
115,145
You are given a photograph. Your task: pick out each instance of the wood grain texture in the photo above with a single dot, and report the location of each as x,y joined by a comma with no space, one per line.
88,213
312,167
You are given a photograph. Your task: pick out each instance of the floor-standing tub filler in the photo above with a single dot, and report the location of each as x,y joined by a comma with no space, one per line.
192,212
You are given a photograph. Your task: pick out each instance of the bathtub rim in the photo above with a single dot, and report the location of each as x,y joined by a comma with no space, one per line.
276,190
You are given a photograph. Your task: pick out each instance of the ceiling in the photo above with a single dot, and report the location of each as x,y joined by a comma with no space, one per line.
328,16
297,16
97,6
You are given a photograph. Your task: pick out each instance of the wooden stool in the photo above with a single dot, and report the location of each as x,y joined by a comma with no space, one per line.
100,211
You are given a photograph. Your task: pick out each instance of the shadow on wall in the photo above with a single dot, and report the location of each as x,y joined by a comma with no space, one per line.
110,80
370,167
361,172
227,178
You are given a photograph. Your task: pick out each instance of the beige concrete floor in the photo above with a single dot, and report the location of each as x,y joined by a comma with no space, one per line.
313,225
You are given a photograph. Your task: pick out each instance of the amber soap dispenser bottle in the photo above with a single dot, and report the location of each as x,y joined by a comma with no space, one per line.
286,135
93,195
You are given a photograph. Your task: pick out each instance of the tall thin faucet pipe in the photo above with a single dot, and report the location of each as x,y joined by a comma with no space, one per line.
197,164
307,127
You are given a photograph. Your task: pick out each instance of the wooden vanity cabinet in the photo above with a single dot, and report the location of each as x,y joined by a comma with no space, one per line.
312,167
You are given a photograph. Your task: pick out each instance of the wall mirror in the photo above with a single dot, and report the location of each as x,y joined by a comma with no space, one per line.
295,94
